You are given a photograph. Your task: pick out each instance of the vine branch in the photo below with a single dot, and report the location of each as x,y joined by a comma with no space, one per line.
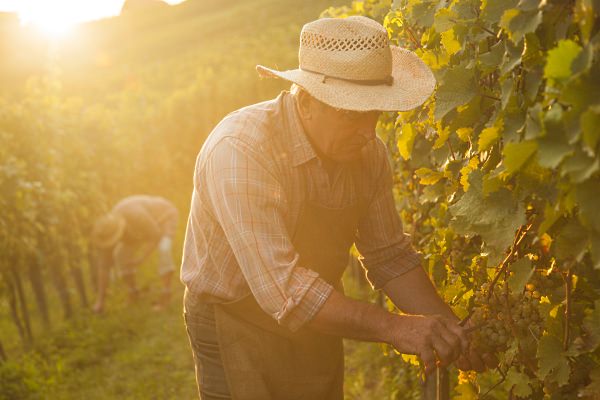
504,264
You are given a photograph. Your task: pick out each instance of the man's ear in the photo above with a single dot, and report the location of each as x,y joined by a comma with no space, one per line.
303,104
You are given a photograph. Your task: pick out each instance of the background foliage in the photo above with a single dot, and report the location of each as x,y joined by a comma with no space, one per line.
498,181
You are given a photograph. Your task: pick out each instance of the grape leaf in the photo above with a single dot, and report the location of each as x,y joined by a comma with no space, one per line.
406,141
488,137
590,121
560,58
517,154
517,23
591,391
450,43
552,150
457,88
444,19
495,217
595,249
551,361
464,133
591,325
571,242
518,382
522,271
428,177
586,195
492,10
580,166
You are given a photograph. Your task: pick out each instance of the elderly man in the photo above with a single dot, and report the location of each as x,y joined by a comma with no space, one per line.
127,235
282,189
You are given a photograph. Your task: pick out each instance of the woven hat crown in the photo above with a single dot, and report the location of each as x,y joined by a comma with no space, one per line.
355,48
107,230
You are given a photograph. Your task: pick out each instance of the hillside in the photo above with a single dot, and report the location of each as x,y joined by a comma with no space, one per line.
105,55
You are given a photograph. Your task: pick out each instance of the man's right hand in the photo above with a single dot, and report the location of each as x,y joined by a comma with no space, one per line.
437,340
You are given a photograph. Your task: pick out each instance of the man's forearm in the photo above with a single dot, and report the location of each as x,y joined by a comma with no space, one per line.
414,293
433,338
353,319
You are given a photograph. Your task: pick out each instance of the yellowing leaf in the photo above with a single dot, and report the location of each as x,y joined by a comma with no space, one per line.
406,141
450,43
464,133
560,58
517,154
466,170
428,176
443,136
434,59
488,137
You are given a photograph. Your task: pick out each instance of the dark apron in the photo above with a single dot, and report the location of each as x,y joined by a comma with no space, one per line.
263,360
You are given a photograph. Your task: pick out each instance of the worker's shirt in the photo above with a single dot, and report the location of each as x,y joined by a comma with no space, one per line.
147,219
252,176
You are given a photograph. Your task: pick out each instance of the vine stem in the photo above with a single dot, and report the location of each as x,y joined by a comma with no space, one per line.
451,150
568,286
412,37
504,264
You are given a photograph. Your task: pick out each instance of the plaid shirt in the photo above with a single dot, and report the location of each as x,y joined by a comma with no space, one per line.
252,176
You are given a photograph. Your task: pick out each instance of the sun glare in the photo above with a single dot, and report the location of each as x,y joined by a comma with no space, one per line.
49,18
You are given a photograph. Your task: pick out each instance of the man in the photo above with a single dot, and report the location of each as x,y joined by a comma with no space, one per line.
127,235
282,189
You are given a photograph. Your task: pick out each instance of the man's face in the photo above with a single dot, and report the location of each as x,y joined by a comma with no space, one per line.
339,134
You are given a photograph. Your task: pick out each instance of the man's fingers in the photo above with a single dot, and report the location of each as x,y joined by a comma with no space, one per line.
463,363
429,360
462,333
445,351
475,361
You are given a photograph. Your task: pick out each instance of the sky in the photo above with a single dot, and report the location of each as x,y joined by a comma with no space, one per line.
58,16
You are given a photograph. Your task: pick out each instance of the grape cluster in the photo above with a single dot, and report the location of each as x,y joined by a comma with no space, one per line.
502,316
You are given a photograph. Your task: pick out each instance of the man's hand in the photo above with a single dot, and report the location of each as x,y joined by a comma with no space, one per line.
437,340
474,359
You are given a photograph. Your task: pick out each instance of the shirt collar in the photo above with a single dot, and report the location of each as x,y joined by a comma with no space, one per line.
301,149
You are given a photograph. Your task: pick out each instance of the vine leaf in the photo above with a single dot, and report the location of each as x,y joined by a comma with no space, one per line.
590,121
492,10
552,150
571,242
560,58
428,176
518,382
517,154
522,271
552,362
406,140
450,43
593,388
488,137
495,217
591,325
587,195
518,23
457,88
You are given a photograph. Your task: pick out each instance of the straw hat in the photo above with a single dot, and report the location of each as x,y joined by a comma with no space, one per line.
349,64
108,230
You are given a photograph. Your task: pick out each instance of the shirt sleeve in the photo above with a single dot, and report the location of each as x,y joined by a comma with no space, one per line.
249,203
385,249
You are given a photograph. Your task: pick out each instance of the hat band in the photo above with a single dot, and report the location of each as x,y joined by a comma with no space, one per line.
388,80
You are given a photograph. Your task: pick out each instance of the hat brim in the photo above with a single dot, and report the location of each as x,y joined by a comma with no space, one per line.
110,241
413,84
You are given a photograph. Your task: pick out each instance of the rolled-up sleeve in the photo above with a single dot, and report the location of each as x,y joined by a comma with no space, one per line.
386,251
249,203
